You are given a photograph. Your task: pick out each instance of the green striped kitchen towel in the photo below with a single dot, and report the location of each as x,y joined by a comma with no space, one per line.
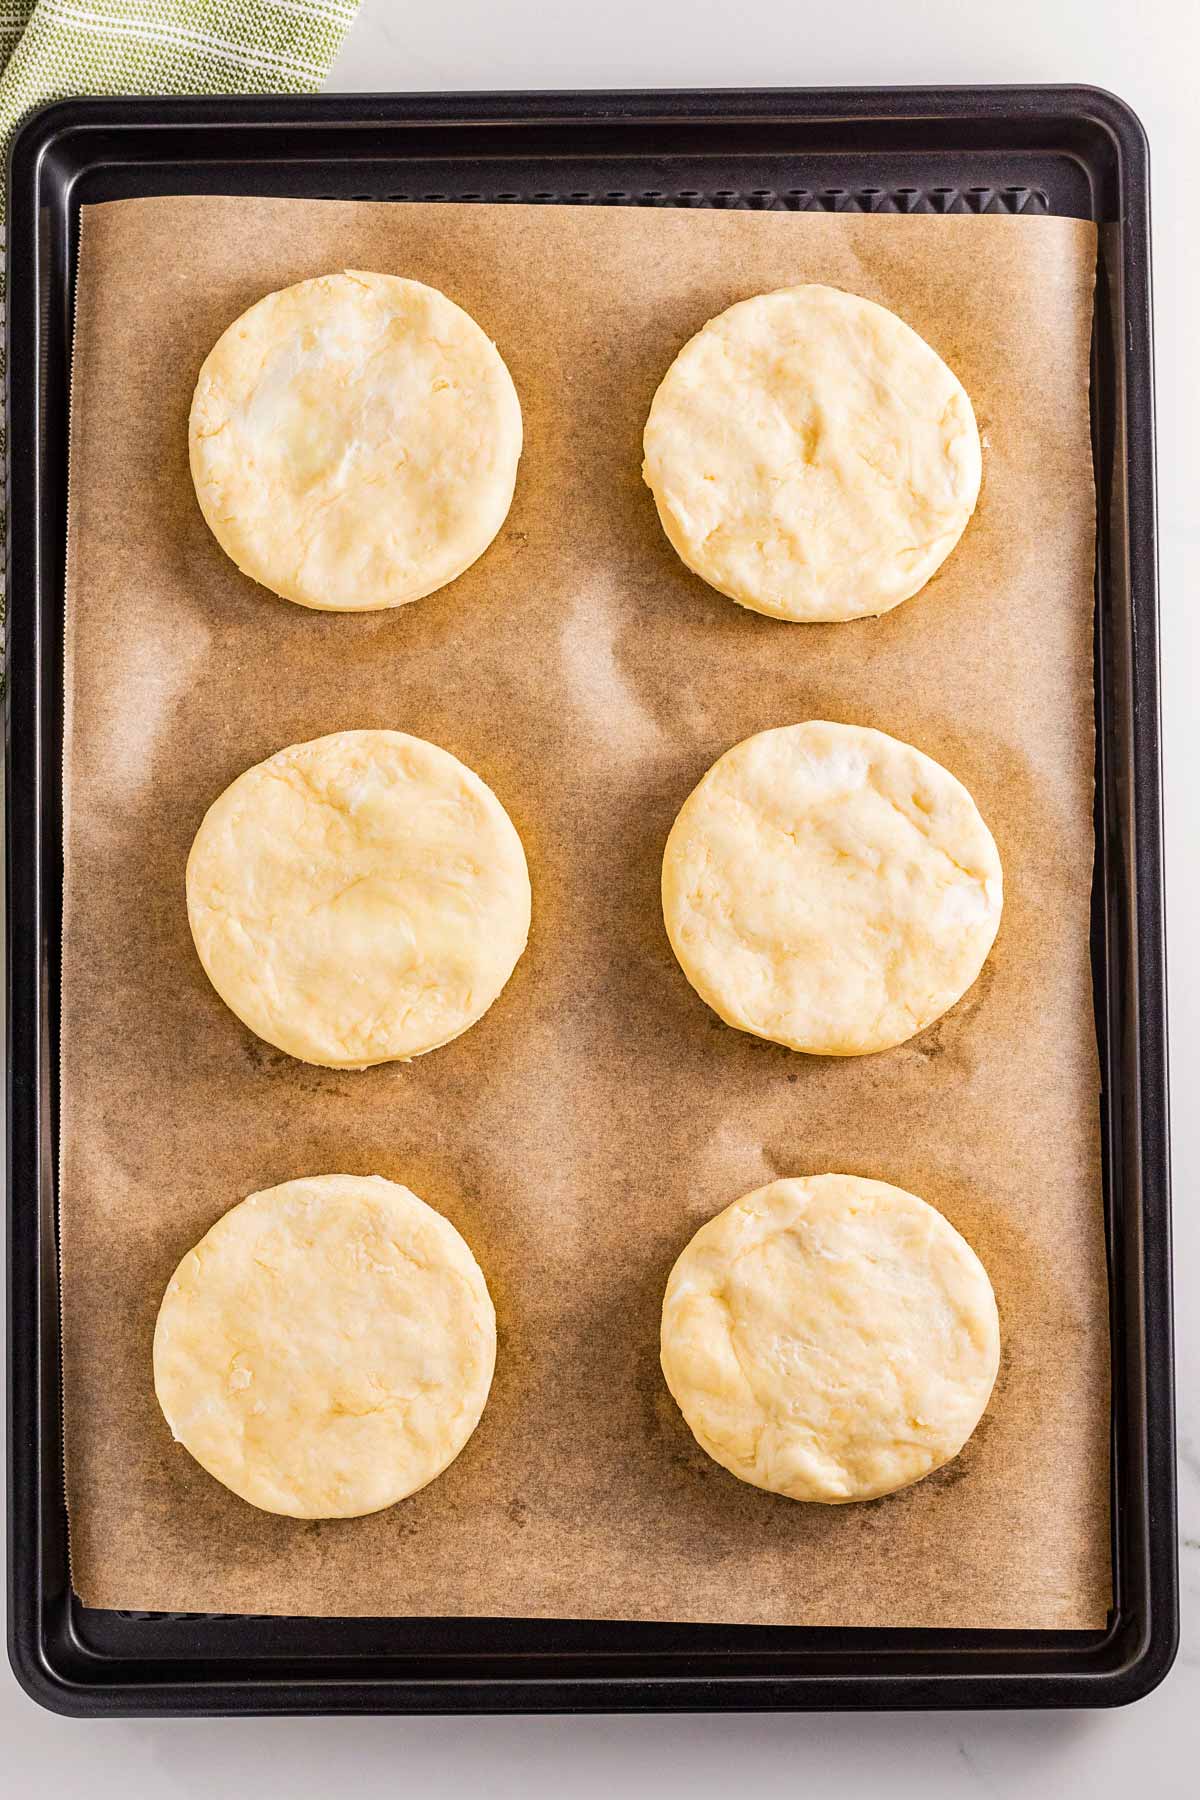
56,48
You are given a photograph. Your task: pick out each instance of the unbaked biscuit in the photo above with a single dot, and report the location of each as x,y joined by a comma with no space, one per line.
327,1348
830,1338
830,888
811,456
358,899
354,441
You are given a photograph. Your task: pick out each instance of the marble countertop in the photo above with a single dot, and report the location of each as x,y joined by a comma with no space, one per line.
1149,55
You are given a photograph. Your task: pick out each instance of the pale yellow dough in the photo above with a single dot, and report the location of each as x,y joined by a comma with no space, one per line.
354,441
327,1348
358,899
830,888
811,456
830,1338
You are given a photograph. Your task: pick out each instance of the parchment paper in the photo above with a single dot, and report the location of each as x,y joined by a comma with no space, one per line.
581,1132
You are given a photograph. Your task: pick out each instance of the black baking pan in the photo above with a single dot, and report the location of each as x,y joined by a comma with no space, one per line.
1063,150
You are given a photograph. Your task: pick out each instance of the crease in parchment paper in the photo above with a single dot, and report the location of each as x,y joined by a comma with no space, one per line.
583,1129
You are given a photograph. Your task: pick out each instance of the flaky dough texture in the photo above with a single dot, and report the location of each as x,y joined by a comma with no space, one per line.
354,441
327,1348
358,899
831,888
830,1338
811,456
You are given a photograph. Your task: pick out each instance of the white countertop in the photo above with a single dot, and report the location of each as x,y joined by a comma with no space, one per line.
1148,53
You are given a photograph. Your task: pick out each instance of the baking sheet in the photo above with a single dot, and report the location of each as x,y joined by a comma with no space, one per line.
599,1112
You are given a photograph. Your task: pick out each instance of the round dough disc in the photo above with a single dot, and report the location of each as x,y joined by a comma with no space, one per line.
830,888
358,899
811,456
354,441
830,1338
327,1348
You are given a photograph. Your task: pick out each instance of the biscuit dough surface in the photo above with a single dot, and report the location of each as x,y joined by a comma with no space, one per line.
811,456
830,1338
358,899
830,888
327,1348
354,441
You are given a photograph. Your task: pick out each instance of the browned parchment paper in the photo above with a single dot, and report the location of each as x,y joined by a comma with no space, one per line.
582,1131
